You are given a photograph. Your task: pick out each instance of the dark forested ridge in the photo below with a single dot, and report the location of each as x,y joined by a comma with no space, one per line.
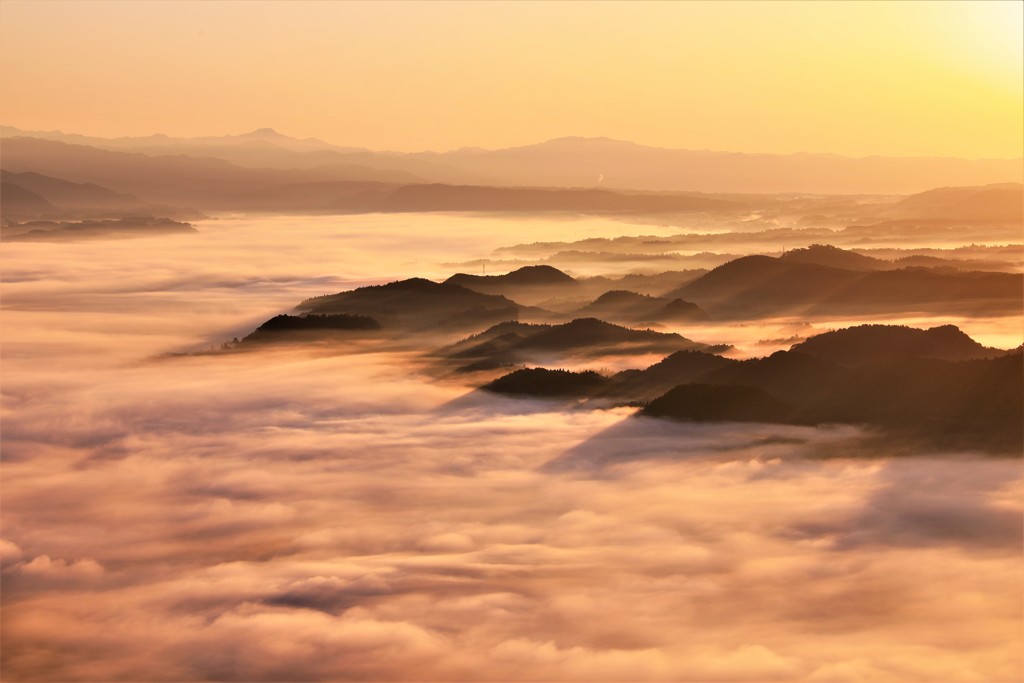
513,343
935,384
541,382
418,304
964,395
306,327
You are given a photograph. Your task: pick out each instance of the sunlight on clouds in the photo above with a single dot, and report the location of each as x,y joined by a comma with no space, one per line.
296,515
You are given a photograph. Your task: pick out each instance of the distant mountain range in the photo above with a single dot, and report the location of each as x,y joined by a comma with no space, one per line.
57,177
214,184
571,162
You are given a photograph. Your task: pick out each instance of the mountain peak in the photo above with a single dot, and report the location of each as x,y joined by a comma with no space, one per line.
582,140
263,133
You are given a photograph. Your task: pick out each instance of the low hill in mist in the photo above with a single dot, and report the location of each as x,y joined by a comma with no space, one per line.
790,376
294,328
546,383
594,332
827,255
526,285
682,367
974,404
514,343
627,298
69,231
466,301
417,304
651,284
865,343
935,385
630,307
754,286
719,403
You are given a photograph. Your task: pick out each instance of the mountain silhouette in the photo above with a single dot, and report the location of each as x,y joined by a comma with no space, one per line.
791,376
864,343
718,403
826,255
527,285
594,332
936,386
630,307
834,257
418,304
681,367
976,404
651,284
554,290
754,286
583,162
927,289
516,343
912,383
540,382
577,161
540,276
292,328
210,183
265,136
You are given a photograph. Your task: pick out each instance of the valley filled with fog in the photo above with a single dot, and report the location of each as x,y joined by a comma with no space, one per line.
177,507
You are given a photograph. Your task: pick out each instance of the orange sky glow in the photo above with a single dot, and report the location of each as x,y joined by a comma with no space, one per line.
914,78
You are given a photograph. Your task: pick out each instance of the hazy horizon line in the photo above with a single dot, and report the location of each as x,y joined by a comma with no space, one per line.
269,130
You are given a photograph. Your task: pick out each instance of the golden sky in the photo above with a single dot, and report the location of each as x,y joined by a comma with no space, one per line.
855,78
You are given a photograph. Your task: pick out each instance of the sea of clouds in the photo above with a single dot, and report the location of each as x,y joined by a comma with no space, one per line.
298,515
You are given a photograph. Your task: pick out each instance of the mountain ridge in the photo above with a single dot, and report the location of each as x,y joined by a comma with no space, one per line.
575,161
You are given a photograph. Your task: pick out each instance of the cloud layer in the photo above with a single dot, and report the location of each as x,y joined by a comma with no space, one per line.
301,516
